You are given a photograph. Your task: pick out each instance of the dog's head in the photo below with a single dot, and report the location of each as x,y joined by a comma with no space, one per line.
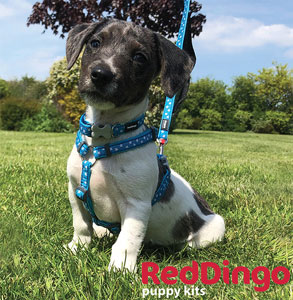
121,59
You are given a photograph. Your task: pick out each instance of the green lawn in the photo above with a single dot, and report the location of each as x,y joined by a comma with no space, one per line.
247,178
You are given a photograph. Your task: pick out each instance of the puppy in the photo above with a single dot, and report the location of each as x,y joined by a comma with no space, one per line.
119,62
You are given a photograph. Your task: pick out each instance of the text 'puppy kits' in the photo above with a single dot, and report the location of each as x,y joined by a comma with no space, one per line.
119,62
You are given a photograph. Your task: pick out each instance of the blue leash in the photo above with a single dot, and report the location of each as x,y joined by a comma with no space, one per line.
107,150
169,102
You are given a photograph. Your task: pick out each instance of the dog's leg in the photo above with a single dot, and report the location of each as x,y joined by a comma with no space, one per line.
127,246
82,222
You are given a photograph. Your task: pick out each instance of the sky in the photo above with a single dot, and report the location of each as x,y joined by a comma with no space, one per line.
240,36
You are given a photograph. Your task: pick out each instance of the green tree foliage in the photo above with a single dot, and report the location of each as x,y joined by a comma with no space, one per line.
211,119
280,121
260,102
4,89
206,103
25,107
14,110
274,88
27,88
63,91
243,93
48,119
242,120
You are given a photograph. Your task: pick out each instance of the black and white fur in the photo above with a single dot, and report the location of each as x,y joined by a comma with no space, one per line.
118,65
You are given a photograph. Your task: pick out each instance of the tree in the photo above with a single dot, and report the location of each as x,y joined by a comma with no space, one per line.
207,99
159,15
275,88
3,88
27,88
207,93
243,92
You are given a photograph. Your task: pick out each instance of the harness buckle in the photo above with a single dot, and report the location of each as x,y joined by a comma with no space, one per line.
81,193
105,131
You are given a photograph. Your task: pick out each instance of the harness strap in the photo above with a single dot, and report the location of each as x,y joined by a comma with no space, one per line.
161,190
108,130
82,192
122,146
107,150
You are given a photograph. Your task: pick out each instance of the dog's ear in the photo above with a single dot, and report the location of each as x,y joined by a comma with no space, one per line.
77,37
176,64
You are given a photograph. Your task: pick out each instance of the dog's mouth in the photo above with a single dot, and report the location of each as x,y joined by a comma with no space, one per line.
98,92
104,98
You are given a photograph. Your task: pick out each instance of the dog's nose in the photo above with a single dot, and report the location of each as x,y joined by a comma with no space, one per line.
100,74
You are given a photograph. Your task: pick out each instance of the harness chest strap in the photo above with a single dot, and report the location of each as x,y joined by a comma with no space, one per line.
107,150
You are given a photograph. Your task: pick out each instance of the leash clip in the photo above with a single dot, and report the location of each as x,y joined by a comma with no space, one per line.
105,131
162,143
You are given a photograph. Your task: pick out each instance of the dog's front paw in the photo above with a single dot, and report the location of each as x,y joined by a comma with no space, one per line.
122,260
72,246
100,231
78,244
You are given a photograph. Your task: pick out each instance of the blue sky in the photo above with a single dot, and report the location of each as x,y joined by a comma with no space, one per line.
239,37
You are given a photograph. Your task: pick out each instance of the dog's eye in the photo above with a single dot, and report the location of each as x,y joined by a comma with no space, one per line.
95,43
139,57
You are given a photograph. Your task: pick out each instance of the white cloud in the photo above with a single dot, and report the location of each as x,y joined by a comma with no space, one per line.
5,11
230,34
14,7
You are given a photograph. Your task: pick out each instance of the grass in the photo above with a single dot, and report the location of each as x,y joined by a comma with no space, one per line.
247,178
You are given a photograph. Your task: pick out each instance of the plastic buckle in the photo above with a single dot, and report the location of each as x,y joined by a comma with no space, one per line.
83,195
105,131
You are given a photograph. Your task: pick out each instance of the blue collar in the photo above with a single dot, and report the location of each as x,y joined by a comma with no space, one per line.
108,130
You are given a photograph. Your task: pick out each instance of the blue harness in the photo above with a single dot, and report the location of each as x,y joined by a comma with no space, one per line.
107,150
99,152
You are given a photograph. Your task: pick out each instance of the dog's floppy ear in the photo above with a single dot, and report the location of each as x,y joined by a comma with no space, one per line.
176,64
77,37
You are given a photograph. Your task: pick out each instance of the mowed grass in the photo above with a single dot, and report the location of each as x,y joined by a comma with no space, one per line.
247,178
